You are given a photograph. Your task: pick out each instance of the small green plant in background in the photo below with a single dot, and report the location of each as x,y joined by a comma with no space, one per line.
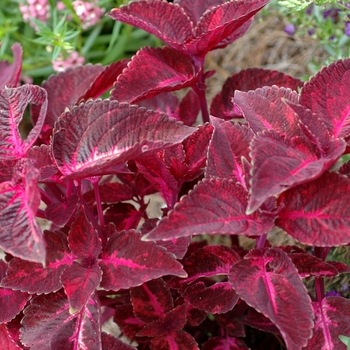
56,34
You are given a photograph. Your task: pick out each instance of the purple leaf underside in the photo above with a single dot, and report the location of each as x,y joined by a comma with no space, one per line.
129,262
214,206
272,275
316,213
10,73
155,70
105,134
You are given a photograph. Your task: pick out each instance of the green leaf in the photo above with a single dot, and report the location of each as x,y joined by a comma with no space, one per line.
345,340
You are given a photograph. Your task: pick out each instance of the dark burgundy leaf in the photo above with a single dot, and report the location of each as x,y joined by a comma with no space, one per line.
7,169
345,169
176,246
64,89
111,343
49,315
165,102
218,298
280,163
165,20
264,109
13,103
332,320
6,341
229,136
174,341
80,282
173,321
231,321
60,213
271,275
11,302
245,80
309,265
32,277
189,108
327,95
105,134
10,73
83,239
43,161
196,149
257,320
111,192
227,343
214,206
124,216
155,70
129,324
104,80
129,262
195,316
316,213
220,22
20,234
151,301
207,262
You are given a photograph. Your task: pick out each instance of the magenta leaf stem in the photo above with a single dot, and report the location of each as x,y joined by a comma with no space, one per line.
98,202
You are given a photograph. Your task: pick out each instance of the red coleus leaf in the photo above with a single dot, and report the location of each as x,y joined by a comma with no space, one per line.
332,320
223,21
111,343
189,108
6,341
218,298
227,343
64,89
151,301
171,322
249,79
156,70
228,164
309,265
13,103
280,163
12,302
83,239
129,262
257,320
10,73
264,109
20,234
214,206
104,80
80,282
60,213
32,277
271,275
174,341
105,134
47,323
165,20
316,213
217,26
327,95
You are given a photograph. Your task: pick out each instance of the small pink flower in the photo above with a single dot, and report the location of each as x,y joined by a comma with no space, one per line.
62,63
38,9
87,11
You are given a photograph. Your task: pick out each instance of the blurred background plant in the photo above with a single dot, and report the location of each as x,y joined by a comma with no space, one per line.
327,22
58,34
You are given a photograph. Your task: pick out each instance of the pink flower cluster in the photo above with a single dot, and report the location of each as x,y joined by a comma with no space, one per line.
87,11
62,63
38,9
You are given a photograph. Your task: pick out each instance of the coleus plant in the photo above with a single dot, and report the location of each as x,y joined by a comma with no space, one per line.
270,154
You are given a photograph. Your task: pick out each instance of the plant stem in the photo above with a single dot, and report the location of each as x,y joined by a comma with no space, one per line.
98,203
